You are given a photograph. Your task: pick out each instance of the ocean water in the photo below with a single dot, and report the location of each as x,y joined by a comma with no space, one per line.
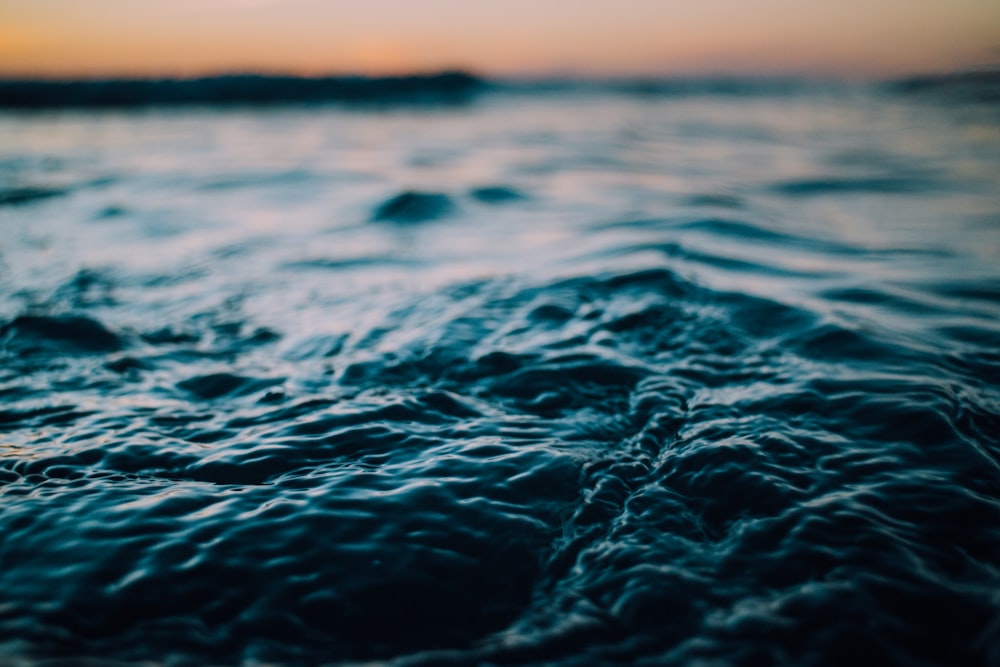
551,375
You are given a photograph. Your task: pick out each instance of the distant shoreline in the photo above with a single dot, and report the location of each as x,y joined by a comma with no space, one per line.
441,88
236,89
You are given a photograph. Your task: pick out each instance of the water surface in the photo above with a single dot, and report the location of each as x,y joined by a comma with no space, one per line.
553,375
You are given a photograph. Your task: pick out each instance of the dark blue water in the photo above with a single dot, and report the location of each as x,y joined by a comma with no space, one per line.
565,376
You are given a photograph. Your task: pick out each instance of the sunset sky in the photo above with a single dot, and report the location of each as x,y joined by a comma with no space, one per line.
867,38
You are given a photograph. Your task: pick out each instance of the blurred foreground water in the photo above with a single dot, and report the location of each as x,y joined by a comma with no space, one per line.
567,375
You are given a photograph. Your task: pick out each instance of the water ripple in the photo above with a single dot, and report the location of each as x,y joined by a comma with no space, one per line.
593,425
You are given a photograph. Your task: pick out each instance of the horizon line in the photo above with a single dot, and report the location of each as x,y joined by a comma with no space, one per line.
541,77
447,87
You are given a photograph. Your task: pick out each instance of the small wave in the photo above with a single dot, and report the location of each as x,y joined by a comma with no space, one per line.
41,416
58,334
495,194
413,206
716,200
216,385
841,186
353,263
20,196
171,336
739,229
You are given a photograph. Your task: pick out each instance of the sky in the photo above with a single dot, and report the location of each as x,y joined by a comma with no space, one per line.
844,38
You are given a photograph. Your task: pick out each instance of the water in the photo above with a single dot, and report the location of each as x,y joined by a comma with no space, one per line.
562,375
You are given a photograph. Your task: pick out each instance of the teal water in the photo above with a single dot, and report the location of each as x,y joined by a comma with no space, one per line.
558,375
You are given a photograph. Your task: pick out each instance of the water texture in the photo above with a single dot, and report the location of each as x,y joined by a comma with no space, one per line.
557,375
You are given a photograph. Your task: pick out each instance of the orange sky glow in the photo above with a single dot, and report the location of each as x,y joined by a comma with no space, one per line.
872,38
